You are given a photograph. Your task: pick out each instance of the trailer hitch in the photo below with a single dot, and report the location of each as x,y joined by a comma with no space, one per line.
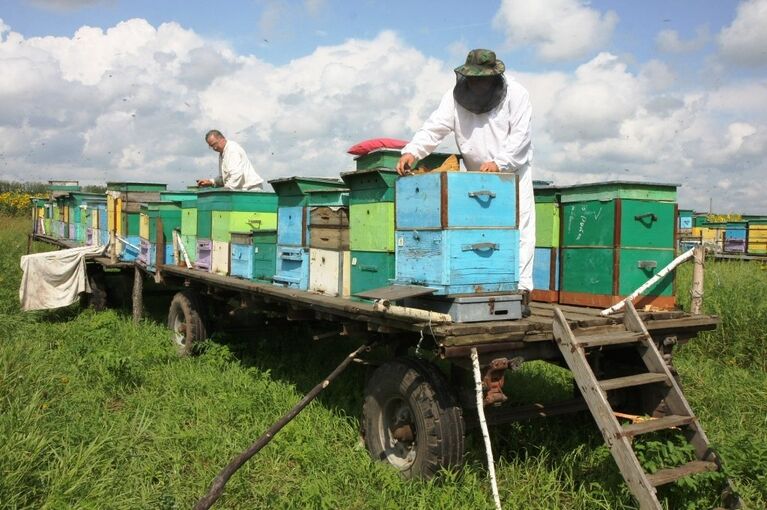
493,381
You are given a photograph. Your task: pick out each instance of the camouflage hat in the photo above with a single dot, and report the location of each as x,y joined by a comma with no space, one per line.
481,62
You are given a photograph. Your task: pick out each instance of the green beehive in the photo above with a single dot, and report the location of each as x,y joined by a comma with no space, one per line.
189,217
616,236
178,196
264,254
388,158
332,197
617,214
370,186
168,212
546,215
371,270
371,227
244,210
292,191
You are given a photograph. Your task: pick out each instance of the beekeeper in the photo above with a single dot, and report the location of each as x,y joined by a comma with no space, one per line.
234,168
489,114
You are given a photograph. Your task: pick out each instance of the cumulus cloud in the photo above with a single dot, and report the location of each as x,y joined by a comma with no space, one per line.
669,41
744,41
132,102
558,29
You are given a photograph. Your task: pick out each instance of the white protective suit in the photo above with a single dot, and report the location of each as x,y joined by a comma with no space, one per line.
235,170
501,135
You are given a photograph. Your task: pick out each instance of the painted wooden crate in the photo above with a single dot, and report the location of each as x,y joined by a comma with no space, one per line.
127,197
456,200
204,252
148,254
329,272
292,226
757,237
130,250
223,223
387,158
293,191
371,226
220,257
329,227
169,213
547,218
618,214
459,261
264,254
241,255
371,270
603,276
546,275
292,267
189,217
370,186
735,237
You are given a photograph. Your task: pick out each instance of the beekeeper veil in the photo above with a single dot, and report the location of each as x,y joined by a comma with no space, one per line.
480,85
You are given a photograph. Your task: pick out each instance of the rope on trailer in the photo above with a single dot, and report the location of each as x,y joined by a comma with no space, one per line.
217,487
483,426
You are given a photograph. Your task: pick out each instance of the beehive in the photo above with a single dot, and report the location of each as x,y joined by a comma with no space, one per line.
615,236
456,232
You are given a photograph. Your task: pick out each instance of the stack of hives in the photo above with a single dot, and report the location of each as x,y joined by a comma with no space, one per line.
546,260
615,236
312,214
123,221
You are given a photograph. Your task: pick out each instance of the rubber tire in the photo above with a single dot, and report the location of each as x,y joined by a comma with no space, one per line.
97,298
186,309
436,414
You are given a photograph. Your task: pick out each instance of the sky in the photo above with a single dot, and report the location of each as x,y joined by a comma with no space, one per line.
118,90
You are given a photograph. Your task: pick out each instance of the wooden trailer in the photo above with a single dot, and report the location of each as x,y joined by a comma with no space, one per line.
420,402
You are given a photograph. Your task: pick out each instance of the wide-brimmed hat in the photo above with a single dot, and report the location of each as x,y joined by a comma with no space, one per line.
481,62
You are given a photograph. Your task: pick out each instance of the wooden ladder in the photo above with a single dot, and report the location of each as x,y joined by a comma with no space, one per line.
619,437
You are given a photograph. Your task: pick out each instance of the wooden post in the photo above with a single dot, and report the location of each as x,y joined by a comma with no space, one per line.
699,256
113,247
138,294
29,243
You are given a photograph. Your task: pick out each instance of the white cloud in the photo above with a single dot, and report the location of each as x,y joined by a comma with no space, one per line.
133,101
744,42
668,41
558,29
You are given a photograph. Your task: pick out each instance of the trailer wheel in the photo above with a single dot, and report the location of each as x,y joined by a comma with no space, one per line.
97,298
185,321
411,419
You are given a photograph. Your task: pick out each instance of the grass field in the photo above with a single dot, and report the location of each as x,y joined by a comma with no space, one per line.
99,413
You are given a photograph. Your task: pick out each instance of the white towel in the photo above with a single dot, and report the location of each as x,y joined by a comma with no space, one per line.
54,279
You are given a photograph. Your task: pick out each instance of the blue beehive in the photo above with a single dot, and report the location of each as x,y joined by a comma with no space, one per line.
546,269
292,267
457,200
457,232
241,255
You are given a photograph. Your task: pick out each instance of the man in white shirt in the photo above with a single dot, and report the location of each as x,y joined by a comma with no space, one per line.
234,168
489,114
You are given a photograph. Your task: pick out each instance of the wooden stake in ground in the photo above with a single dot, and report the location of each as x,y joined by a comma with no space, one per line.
217,487
697,280
483,426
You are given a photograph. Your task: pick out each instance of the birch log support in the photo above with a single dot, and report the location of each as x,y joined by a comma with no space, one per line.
29,243
386,307
112,247
699,257
217,487
483,426
138,295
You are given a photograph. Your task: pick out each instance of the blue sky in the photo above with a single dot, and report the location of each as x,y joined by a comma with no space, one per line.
670,91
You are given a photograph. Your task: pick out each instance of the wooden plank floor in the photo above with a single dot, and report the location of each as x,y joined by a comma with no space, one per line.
536,328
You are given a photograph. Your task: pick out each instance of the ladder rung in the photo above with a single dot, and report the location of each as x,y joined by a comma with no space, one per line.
632,380
666,422
616,338
665,476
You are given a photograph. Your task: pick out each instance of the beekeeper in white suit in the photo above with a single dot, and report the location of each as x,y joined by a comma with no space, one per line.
489,114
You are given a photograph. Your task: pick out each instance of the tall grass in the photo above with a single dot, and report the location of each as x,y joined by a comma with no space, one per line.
98,412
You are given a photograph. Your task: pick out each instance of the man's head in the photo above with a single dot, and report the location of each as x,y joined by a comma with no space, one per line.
479,83
215,140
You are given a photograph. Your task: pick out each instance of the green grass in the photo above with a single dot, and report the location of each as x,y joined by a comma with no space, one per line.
99,413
